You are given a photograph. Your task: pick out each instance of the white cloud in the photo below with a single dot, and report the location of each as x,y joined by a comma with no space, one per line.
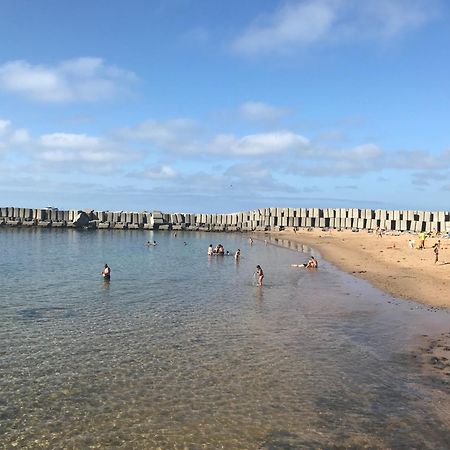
261,112
298,24
10,137
81,79
258,144
293,24
4,126
160,172
68,147
177,135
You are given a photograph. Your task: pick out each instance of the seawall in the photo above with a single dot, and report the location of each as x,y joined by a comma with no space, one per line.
263,219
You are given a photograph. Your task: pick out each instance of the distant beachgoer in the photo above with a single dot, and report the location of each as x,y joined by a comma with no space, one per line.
227,253
260,275
422,237
312,263
185,243
411,243
379,232
265,242
436,252
250,241
106,272
210,250
237,255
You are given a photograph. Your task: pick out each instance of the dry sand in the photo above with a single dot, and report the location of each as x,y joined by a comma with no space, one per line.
387,262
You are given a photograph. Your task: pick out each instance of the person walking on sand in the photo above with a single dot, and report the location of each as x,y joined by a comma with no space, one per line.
436,252
260,275
106,272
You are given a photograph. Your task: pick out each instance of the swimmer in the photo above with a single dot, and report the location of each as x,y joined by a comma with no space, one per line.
106,272
260,275
210,250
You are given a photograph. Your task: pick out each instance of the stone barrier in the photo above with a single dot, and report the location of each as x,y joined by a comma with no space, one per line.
262,219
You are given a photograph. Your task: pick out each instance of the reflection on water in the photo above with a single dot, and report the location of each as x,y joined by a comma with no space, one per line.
182,351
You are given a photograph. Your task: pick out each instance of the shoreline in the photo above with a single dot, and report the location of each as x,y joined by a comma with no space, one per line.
386,262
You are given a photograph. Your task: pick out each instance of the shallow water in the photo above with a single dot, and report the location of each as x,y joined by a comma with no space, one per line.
184,351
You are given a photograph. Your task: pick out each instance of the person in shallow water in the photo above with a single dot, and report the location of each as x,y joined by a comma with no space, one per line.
106,272
311,264
260,274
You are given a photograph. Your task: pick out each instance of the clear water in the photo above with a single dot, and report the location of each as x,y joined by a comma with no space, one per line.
180,350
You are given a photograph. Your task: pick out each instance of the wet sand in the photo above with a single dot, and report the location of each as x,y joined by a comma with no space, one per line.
391,265
387,262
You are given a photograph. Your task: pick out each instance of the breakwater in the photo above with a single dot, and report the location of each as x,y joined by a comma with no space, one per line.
262,219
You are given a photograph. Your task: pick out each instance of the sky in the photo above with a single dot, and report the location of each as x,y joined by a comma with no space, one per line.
223,106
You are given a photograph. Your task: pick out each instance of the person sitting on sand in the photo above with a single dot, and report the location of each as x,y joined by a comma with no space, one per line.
106,272
260,274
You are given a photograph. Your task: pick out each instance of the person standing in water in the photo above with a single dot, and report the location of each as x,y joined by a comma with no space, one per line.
106,272
260,274
237,255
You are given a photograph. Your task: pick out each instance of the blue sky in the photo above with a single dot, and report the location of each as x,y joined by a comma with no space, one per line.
221,106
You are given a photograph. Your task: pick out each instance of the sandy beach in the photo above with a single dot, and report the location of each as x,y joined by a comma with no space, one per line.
387,262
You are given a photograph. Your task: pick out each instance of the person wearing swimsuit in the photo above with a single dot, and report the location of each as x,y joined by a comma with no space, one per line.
260,274
106,272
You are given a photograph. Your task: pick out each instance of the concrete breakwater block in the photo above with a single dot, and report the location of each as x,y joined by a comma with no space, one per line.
103,225
120,226
59,224
13,223
135,226
44,223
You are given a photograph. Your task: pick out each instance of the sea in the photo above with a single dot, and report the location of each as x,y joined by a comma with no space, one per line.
184,351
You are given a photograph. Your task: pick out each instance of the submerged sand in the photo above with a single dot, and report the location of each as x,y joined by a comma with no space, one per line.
387,262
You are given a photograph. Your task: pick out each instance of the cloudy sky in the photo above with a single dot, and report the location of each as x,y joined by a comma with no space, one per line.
221,106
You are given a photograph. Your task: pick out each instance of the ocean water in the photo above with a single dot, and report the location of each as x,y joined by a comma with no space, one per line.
183,351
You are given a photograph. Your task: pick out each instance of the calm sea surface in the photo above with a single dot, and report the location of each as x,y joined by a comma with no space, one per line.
180,350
